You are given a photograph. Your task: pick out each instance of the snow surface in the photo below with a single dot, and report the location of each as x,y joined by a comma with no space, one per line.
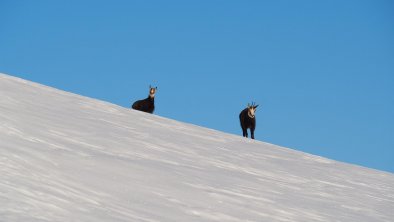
64,157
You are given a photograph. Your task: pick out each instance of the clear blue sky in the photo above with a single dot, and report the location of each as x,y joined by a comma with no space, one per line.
322,71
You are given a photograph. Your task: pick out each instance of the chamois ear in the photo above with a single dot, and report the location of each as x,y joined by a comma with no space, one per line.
255,106
156,88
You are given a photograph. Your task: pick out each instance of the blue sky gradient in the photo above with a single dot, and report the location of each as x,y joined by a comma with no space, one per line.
322,71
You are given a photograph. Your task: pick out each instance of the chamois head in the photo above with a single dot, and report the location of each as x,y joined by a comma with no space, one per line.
252,109
152,91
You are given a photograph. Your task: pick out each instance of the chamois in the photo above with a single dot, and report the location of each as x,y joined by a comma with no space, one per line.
148,104
248,120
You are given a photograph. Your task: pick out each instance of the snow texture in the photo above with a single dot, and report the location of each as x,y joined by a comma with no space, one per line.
65,157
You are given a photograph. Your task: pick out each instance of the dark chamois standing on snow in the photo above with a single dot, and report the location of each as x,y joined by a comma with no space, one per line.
248,120
148,104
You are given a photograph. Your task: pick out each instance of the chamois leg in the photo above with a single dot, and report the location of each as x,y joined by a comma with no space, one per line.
252,133
245,133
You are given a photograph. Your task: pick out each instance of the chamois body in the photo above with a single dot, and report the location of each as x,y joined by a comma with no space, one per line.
148,104
248,120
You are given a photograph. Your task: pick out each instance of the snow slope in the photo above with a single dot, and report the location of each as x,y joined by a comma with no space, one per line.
65,157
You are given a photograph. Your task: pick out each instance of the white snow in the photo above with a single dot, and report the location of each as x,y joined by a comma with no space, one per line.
64,157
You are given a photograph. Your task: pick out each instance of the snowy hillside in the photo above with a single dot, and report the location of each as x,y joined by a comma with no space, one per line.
65,157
